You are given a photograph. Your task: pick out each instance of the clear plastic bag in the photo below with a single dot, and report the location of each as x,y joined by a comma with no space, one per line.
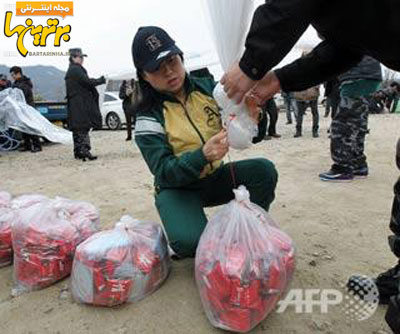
229,21
240,127
45,236
244,264
121,265
8,214
5,229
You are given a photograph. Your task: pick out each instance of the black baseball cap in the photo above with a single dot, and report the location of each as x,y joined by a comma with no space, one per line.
151,46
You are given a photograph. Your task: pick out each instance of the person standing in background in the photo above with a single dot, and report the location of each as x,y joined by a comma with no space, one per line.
83,104
22,82
305,99
128,93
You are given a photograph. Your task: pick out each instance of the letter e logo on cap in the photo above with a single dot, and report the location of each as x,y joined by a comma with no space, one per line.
153,43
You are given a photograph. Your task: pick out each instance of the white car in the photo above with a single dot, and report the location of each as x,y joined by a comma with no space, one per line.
112,111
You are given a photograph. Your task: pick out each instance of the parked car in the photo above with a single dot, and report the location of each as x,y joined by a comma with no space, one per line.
53,111
112,112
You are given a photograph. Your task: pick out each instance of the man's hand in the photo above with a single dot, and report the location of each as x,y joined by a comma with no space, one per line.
216,147
236,83
266,88
253,108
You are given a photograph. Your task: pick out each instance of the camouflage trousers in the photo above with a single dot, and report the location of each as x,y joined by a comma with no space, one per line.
81,142
348,130
394,240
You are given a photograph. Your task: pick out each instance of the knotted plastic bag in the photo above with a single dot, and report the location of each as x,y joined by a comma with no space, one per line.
121,265
244,264
240,127
45,236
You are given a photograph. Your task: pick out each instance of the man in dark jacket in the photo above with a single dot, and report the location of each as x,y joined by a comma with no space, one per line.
350,125
31,142
348,36
83,104
128,95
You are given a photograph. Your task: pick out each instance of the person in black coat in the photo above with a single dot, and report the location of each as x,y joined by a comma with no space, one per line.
83,104
348,35
128,94
31,142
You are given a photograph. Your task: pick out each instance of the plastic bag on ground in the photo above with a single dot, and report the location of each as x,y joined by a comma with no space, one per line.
8,214
244,264
121,265
5,229
45,236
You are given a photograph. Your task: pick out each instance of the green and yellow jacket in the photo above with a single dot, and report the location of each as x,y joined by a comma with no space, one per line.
171,135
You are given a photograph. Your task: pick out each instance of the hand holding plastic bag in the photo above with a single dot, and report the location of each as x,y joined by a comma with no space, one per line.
124,264
244,264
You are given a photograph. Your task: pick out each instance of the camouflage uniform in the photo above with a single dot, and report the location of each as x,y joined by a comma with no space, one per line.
348,131
350,124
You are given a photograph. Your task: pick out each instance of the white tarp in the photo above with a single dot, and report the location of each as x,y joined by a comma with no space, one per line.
16,114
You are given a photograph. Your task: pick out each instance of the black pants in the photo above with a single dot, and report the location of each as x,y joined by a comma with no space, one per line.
332,105
81,142
301,109
31,141
271,113
394,240
130,120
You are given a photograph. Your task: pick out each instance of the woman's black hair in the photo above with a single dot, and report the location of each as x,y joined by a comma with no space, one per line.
148,98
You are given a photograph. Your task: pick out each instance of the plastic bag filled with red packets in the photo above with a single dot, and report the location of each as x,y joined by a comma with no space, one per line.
121,265
244,264
5,229
8,214
45,236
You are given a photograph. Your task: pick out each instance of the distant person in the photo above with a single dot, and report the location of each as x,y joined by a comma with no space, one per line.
305,99
350,125
4,83
31,142
83,104
290,105
270,111
129,94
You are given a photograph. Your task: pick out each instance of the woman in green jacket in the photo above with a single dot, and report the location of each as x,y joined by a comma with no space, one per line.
180,135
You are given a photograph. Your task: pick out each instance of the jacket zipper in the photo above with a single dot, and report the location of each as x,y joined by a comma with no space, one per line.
195,128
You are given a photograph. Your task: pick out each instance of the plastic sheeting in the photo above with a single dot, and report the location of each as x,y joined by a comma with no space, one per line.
16,114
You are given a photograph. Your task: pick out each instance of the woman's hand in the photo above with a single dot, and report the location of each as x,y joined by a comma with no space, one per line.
216,147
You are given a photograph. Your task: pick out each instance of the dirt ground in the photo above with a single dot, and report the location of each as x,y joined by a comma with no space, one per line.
339,229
